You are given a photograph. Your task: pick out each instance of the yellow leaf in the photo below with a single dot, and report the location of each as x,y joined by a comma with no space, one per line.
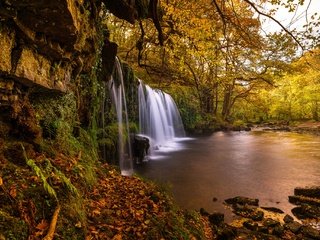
1,181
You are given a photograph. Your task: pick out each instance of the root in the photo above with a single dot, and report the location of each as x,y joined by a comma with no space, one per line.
53,224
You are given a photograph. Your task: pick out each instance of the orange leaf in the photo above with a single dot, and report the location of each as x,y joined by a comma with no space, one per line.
1,181
117,237
96,212
13,191
42,225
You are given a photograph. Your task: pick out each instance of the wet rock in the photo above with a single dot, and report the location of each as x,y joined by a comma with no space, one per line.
293,227
204,212
313,192
263,229
269,222
298,200
251,225
288,219
278,230
306,211
226,232
272,209
140,147
242,201
216,218
308,231
257,215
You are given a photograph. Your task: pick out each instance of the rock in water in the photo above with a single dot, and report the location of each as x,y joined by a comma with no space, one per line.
243,201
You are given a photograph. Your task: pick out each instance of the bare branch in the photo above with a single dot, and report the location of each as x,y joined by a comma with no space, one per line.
275,20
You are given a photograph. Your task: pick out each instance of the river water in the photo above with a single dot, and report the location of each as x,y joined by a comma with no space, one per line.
204,171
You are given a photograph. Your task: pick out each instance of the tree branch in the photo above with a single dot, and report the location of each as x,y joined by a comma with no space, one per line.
275,20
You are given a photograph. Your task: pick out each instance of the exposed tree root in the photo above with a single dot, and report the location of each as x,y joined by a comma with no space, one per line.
53,224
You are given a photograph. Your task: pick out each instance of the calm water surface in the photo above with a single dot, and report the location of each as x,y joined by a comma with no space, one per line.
264,165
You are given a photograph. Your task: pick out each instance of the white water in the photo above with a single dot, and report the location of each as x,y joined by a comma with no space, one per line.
117,91
159,118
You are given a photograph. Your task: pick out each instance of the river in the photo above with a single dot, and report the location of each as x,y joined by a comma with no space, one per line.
204,171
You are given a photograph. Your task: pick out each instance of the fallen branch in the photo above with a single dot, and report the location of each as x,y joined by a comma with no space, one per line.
53,224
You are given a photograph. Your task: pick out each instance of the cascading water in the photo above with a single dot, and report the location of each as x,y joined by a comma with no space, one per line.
159,117
118,95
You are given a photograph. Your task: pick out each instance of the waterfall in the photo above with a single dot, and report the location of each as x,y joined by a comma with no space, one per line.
117,91
159,118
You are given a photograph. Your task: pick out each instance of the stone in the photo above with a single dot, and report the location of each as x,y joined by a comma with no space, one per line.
204,212
293,227
288,219
313,192
108,57
278,230
297,200
7,40
263,229
226,232
140,148
242,201
309,231
306,211
216,218
269,222
251,225
272,209
35,70
257,216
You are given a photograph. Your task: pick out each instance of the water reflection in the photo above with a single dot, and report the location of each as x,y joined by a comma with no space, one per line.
265,165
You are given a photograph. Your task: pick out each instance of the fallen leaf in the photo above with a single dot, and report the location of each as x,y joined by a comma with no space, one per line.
1,181
13,192
42,225
117,237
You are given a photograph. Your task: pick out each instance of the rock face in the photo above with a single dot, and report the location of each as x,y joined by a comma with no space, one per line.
44,43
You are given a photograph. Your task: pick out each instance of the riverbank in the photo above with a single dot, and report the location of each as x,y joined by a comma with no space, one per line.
64,206
51,198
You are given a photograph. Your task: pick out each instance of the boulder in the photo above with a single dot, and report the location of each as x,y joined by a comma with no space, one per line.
243,201
306,211
310,232
251,225
288,219
293,226
216,218
298,200
311,192
140,148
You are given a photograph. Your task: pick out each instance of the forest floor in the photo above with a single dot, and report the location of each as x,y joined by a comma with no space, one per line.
63,197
